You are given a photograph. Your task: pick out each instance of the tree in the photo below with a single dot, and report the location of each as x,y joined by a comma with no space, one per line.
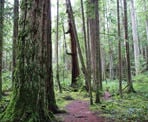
15,32
74,43
98,52
119,49
1,41
135,38
91,33
129,80
87,53
33,86
57,50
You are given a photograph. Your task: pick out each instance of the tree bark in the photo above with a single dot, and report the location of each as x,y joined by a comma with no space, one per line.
33,91
15,35
98,53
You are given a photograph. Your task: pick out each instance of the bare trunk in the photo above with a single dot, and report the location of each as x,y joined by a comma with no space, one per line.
15,35
98,53
57,49
129,80
119,49
135,38
1,42
75,67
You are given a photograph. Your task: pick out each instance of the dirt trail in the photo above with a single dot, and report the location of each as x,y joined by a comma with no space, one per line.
78,111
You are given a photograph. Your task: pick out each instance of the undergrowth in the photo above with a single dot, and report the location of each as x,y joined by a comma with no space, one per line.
132,107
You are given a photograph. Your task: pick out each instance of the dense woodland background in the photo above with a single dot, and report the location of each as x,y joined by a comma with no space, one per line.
52,50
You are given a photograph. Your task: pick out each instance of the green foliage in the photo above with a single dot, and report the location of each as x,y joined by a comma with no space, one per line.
133,107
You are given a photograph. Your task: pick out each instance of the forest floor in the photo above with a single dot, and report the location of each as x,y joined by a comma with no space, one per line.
78,111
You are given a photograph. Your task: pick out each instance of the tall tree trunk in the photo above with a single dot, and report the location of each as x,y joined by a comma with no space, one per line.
129,80
86,47
51,101
111,70
74,33
15,34
92,34
75,66
33,86
119,49
88,62
135,38
1,41
98,52
146,22
57,50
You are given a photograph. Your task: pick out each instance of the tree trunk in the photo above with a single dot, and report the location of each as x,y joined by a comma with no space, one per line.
1,42
88,62
98,53
130,83
15,35
119,49
135,38
57,50
111,70
146,22
33,86
92,34
75,43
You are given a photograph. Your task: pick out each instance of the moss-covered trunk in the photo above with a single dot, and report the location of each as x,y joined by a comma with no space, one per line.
32,84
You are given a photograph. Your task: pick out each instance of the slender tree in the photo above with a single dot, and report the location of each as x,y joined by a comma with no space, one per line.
57,50
33,86
119,49
146,19
87,53
15,32
135,38
1,41
130,83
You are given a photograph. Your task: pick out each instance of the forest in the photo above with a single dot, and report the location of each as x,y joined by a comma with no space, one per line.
73,61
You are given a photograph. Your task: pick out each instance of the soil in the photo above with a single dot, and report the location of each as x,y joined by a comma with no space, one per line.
78,111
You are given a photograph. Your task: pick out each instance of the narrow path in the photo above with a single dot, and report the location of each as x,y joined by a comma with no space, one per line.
78,111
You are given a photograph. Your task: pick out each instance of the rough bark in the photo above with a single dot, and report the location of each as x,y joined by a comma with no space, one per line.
98,53
1,41
33,91
92,33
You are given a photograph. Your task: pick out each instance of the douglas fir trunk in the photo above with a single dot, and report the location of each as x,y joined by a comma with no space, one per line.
33,87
